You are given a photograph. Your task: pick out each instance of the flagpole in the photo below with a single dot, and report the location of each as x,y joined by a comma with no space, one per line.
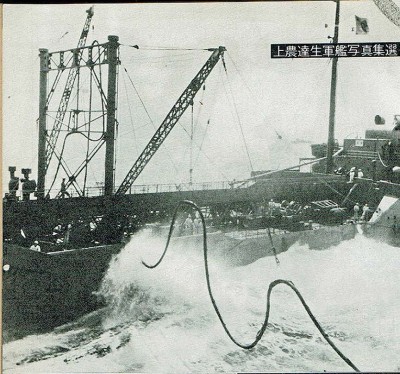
331,132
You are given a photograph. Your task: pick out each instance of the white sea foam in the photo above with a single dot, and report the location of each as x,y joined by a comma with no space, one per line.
161,320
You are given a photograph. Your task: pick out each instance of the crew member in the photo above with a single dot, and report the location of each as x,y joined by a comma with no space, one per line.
356,211
360,174
364,216
352,174
92,228
35,246
67,233
63,189
197,225
271,207
188,224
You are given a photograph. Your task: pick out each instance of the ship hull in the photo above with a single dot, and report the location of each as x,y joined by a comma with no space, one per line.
384,224
41,291
240,248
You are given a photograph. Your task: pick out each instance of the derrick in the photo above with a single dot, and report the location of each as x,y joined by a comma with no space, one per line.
171,119
62,108
71,61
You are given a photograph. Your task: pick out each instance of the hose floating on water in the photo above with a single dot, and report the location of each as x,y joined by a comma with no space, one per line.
260,333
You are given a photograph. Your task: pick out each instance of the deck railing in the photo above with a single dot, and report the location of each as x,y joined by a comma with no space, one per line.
294,180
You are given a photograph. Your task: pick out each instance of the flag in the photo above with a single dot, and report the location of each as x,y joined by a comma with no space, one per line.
361,26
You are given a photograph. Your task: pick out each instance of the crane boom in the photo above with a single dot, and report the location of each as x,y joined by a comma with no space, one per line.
170,120
62,108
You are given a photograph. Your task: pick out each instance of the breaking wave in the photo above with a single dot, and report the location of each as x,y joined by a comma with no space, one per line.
162,320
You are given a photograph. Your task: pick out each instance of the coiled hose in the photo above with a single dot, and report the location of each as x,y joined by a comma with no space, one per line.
260,333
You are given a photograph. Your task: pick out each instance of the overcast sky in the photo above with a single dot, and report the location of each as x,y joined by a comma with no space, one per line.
263,96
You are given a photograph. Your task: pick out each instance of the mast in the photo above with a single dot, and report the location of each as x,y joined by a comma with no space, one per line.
112,51
63,106
44,69
331,133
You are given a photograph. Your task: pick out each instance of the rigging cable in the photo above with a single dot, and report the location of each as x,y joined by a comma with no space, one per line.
273,284
61,155
255,97
202,141
131,120
53,87
150,48
99,82
201,101
151,120
238,119
83,125
140,98
65,167
77,96
164,59
207,126
59,163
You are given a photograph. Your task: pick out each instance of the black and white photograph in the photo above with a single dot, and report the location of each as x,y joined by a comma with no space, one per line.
201,187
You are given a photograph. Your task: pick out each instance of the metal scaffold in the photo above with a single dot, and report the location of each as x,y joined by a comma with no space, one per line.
74,60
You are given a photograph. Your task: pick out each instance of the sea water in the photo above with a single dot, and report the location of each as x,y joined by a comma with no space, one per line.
161,320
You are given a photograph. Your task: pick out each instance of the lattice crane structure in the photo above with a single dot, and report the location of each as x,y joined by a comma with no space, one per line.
171,119
73,61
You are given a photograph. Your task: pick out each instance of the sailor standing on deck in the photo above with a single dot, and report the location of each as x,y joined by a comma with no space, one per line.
364,216
352,174
356,211
188,225
35,246
271,207
63,189
197,225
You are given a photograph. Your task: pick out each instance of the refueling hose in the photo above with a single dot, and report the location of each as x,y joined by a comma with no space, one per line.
260,333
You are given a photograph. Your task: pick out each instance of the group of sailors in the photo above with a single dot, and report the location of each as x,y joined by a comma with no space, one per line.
285,208
364,211
192,224
272,209
361,212
61,233
84,232
352,173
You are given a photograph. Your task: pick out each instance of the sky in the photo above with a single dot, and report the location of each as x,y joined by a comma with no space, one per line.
238,117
